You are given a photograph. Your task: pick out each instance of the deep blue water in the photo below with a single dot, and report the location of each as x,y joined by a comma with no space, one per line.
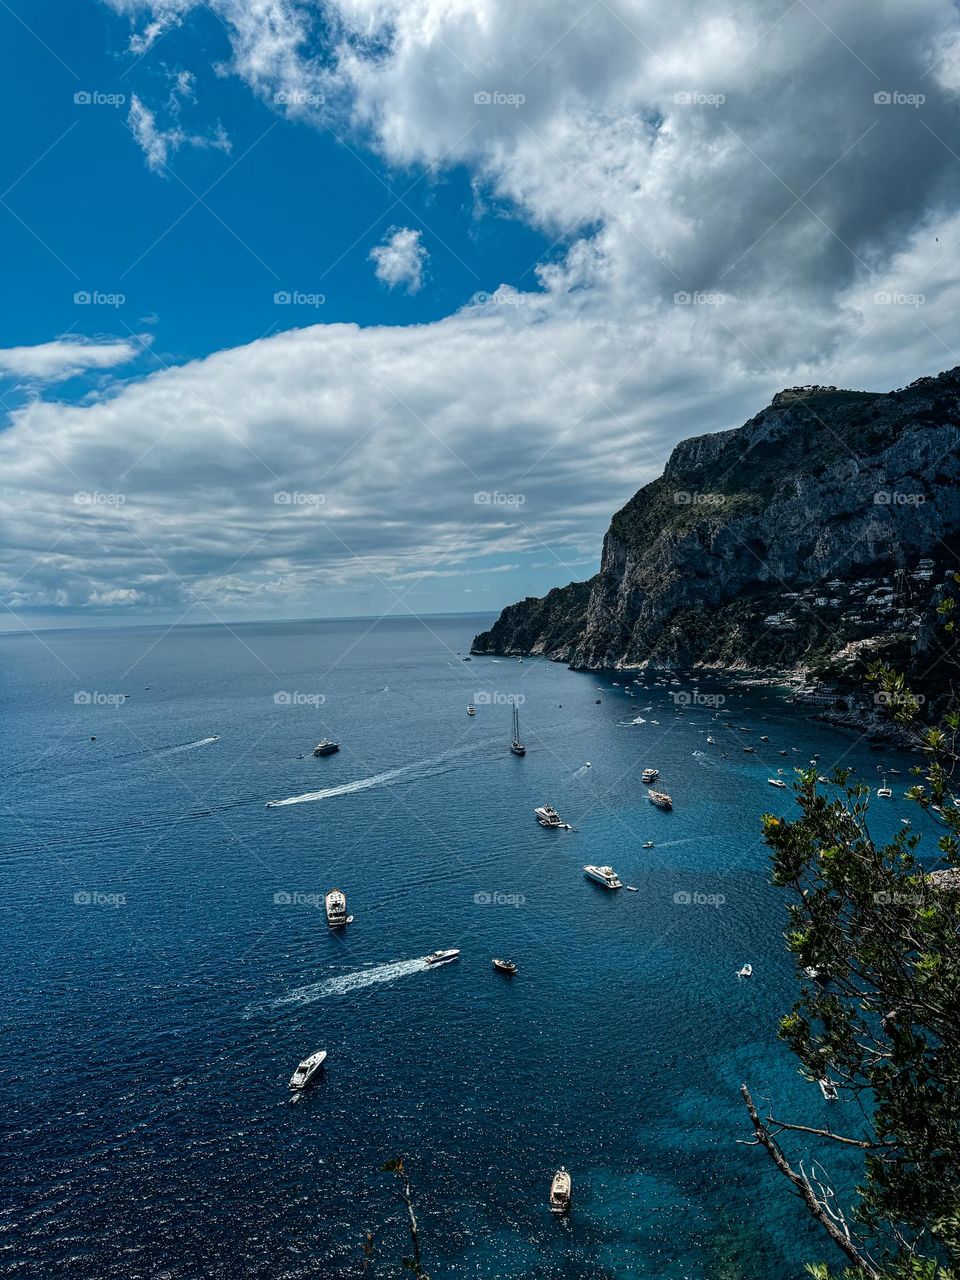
157,997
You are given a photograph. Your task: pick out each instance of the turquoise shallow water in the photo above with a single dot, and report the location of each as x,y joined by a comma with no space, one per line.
158,994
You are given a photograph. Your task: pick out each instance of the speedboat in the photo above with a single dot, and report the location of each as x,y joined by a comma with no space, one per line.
828,1089
648,844
776,782
784,753
746,971
560,1192
764,738
336,904
603,875
712,742
505,966
325,747
307,1069
471,709
660,799
884,792
750,750
649,775
441,957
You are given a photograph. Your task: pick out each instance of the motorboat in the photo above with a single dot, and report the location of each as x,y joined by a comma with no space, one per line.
828,1089
746,971
631,888
660,799
605,876
505,966
777,782
336,904
712,742
752,751
884,792
471,709
649,775
764,738
326,747
648,844
560,1192
516,746
307,1069
547,816
441,957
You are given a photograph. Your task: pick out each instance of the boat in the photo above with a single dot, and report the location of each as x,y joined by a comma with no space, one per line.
307,1069
712,742
822,780
884,792
648,844
631,888
764,738
336,904
516,746
560,1191
325,747
777,782
828,1089
783,753
750,750
471,709
547,816
441,957
649,775
505,966
746,971
603,875
467,659
660,799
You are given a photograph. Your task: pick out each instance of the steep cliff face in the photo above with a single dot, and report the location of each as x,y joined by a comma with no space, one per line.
827,520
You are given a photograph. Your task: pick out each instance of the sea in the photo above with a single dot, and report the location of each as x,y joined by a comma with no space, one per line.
167,961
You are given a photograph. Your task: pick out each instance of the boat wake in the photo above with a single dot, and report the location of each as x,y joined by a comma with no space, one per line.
584,768
186,746
344,983
417,771
639,720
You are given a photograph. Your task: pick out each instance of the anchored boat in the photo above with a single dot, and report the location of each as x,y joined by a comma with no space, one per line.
603,875
326,747
547,816
336,904
561,1189
505,966
516,746
307,1069
660,799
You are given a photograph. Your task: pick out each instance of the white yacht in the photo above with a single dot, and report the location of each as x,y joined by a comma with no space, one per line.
649,775
547,816
471,709
660,799
776,782
307,1069
603,875
336,904
828,1089
441,957
560,1192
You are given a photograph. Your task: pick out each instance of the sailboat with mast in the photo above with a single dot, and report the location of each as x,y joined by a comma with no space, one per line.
516,746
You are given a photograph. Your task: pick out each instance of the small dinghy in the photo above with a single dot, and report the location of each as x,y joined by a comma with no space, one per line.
746,971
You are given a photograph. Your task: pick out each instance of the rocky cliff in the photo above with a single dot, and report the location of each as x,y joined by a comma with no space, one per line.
822,529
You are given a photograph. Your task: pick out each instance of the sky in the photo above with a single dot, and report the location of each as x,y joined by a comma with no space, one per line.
329,307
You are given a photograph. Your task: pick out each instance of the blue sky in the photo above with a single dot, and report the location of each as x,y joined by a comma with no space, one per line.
529,249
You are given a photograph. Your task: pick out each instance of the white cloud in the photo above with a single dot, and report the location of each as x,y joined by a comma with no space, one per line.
400,259
158,144
54,361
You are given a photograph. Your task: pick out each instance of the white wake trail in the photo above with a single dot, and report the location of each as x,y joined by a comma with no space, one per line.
344,983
